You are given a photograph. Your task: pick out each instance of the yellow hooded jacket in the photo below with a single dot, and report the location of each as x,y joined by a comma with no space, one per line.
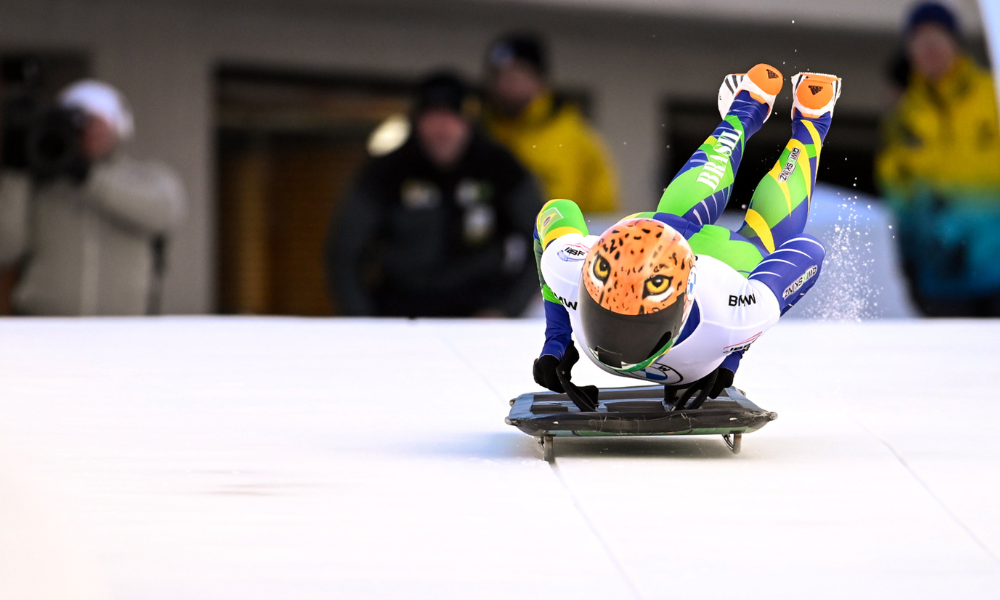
944,138
940,169
561,149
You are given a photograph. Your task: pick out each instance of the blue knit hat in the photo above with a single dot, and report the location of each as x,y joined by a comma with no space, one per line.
932,12
525,47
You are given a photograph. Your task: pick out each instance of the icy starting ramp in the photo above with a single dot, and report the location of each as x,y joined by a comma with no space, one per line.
295,458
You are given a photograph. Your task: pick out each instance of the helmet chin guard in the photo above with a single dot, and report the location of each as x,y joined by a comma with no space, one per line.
638,280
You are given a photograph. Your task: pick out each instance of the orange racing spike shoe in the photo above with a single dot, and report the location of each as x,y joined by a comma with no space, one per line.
763,82
814,94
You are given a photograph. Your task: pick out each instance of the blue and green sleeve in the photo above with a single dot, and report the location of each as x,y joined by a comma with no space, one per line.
556,219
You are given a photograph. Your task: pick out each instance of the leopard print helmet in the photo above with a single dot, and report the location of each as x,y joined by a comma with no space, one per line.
638,277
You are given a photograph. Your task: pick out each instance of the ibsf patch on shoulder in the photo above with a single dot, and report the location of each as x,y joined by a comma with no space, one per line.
573,253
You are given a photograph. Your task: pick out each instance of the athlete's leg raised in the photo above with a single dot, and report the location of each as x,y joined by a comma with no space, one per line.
700,191
779,208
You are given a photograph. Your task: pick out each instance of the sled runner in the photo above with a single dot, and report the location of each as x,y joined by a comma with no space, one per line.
635,411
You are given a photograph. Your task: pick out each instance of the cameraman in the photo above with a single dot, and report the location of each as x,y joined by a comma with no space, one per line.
85,237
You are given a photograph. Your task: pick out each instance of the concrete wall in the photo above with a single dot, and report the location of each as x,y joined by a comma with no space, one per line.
862,14
162,54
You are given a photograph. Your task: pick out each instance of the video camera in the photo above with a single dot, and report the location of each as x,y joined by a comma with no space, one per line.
37,136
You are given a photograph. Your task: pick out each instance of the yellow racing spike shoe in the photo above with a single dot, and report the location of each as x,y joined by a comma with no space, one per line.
814,94
763,82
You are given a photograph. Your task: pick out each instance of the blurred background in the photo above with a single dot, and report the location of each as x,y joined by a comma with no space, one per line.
264,111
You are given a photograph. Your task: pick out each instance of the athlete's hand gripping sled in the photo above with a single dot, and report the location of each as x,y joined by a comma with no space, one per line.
556,375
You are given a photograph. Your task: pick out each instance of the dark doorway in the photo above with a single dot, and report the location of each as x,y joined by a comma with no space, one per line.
287,144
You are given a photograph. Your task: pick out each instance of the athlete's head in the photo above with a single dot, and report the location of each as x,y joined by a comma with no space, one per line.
638,278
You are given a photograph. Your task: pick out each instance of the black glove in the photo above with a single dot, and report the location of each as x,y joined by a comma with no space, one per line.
709,386
544,372
555,375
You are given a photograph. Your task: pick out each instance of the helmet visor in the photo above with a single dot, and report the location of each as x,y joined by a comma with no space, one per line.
630,342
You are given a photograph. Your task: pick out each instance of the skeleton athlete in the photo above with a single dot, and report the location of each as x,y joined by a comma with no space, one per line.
668,296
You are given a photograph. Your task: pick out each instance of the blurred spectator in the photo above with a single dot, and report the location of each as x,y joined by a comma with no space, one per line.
897,74
548,135
81,225
940,169
441,226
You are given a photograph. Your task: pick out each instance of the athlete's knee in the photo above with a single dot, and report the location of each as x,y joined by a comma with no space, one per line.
792,269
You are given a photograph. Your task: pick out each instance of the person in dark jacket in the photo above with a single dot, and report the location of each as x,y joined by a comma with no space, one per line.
440,227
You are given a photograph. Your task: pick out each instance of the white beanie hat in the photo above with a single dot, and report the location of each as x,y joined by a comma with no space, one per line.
98,98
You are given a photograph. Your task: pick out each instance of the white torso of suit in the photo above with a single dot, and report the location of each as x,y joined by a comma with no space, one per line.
730,312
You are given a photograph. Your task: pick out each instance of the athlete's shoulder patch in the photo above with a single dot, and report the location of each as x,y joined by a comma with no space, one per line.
573,252
561,264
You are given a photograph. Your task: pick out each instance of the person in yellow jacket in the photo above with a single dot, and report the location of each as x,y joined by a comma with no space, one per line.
940,170
550,137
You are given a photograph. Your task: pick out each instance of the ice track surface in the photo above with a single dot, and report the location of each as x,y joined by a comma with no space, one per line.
210,458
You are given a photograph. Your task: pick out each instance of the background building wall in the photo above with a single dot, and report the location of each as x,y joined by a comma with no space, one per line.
630,59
